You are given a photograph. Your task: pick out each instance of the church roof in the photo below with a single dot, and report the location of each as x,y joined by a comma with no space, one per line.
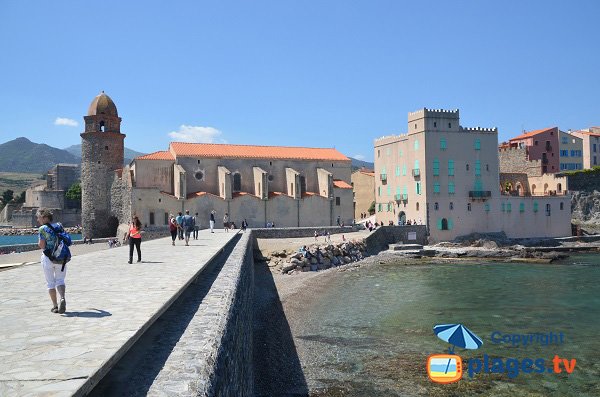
182,149
163,155
102,104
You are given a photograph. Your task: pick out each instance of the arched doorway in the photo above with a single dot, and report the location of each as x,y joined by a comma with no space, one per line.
402,218
112,225
559,188
545,188
519,189
444,224
532,189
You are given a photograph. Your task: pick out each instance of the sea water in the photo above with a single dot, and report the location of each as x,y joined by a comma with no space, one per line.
27,239
369,332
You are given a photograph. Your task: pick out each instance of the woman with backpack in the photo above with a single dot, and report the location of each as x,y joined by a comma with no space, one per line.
54,273
135,238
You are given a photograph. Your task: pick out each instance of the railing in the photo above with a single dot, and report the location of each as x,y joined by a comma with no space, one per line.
383,177
401,197
480,194
416,172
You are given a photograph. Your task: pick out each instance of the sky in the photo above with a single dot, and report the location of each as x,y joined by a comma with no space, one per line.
326,73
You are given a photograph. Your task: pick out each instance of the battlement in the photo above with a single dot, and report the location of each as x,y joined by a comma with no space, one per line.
421,113
479,129
387,139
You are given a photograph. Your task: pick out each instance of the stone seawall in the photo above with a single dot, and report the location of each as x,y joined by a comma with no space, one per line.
380,239
228,370
293,232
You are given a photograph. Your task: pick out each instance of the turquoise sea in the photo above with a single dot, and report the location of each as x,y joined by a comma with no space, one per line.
28,239
369,332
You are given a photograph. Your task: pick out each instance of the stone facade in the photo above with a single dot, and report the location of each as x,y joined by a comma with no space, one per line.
102,153
363,183
514,160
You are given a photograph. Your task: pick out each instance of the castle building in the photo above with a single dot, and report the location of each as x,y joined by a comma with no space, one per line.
447,177
102,153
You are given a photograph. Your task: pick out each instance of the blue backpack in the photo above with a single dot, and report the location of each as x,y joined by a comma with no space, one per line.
60,253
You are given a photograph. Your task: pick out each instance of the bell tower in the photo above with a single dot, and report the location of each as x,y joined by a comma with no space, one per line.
102,154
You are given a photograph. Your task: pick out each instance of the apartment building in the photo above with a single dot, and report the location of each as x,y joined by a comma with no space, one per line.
590,145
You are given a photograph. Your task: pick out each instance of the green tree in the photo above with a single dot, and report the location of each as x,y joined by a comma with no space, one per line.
74,192
372,208
7,196
20,198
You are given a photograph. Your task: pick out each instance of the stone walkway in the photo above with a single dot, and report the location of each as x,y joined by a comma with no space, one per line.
110,303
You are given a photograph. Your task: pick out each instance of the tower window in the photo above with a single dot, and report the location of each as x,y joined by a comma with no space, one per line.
102,126
199,175
270,178
237,182
105,147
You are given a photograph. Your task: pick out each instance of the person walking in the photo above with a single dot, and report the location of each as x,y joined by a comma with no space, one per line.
226,222
188,225
212,221
179,225
173,228
54,273
196,226
135,238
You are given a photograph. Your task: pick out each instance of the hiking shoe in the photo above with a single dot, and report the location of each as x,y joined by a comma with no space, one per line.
129,262
54,309
62,307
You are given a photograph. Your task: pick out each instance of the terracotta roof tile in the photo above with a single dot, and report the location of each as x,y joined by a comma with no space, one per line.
274,194
200,194
182,149
368,173
163,155
584,132
341,184
530,134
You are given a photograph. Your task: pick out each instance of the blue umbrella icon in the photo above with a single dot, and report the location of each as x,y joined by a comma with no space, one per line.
457,335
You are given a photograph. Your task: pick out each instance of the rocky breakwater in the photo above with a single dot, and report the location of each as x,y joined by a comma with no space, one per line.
316,257
30,231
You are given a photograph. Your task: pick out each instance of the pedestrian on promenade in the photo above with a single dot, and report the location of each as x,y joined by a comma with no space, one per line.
54,273
173,228
196,226
135,238
226,222
188,225
316,235
338,220
212,221
244,225
179,225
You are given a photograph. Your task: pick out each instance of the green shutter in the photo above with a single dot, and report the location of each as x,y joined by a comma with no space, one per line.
439,224
450,167
477,144
449,224
443,143
522,207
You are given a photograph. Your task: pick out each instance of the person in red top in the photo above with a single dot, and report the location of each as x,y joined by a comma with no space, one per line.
135,238
173,227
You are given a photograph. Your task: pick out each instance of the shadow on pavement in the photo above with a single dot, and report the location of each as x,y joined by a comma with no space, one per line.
277,369
96,313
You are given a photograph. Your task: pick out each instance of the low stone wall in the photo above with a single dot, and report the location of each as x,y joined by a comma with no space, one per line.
385,235
586,180
285,232
228,369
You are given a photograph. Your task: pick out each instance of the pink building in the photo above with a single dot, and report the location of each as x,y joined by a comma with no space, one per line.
541,145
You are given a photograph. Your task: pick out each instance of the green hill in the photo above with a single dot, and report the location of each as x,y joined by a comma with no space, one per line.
22,155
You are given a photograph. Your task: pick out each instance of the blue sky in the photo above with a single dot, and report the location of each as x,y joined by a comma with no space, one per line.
295,73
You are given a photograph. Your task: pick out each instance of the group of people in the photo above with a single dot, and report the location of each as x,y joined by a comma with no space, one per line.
184,227
364,215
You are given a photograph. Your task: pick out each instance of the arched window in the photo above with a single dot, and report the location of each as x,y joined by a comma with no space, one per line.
303,184
237,182
102,126
545,188
436,206
533,189
444,224
559,188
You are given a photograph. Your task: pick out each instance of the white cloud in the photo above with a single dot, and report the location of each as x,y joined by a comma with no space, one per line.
359,157
65,121
196,134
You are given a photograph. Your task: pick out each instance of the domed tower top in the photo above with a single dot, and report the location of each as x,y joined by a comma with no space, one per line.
102,116
102,104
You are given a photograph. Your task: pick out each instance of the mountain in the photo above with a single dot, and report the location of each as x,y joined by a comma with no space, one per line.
22,155
358,164
129,153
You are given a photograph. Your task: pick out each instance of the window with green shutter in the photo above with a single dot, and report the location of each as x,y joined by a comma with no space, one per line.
418,187
487,207
436,187
439,224
477,144
436,167
416,145
451,187
535,206
450,167
503,207
508,207
397,170
477,168
443,144
400,152
450,224
405,192
380,207
478,185
521,207
404,170
416,164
